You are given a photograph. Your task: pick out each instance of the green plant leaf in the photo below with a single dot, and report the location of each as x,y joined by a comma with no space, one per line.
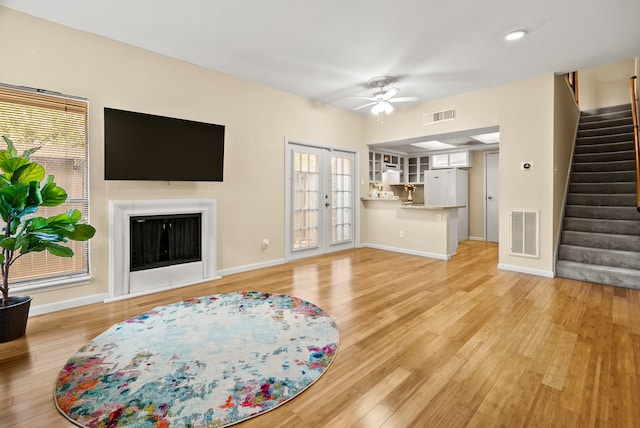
8,243
11,148
59,250
27,153
11,165
52,194
82,232
15,196
69,217
28,172
34,198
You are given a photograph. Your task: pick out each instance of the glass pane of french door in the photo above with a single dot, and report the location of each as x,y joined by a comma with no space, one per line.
306,200
341,198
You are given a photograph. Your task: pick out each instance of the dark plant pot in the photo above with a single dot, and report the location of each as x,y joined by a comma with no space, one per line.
13,318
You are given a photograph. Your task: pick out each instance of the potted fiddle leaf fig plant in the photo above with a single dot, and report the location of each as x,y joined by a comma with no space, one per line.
24,188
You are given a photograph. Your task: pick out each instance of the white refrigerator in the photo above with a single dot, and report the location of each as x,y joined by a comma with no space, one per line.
449,187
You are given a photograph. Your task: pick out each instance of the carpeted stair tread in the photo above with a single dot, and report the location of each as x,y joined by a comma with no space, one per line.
624,165
606,129
600,111
605,157
611,138
620,227
603,177
600,256
601,240
618,200
608,188
611,213
605,123
596,147
608,275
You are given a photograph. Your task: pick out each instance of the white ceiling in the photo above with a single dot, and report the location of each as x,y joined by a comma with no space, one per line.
328,50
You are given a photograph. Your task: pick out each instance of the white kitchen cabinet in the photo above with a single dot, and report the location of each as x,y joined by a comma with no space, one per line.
382,162
416,166
452,160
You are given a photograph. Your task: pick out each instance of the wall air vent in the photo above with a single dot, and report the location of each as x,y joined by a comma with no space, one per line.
438,116
524,232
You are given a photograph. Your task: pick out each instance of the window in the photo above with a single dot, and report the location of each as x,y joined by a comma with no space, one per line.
58,125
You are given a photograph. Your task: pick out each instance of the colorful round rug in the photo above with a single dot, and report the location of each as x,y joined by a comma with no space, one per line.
206,362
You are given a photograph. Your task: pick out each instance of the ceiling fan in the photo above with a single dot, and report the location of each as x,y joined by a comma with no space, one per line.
383,99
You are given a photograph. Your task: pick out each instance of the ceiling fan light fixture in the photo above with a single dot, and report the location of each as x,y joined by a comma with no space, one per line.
382,107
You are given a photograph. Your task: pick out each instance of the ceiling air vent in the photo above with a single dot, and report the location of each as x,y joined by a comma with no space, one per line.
438,116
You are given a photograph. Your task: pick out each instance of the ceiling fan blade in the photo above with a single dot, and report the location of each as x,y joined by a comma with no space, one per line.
390,93
366,98
403,99
366,105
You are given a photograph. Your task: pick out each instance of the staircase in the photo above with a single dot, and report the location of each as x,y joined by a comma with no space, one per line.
600,239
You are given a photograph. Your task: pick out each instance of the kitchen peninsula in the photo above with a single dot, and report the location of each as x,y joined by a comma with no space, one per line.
394,225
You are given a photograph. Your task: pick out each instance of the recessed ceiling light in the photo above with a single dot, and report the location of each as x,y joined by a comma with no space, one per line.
433,145
515,35
490,138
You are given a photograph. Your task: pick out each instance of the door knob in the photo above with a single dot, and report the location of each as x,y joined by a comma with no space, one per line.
489,197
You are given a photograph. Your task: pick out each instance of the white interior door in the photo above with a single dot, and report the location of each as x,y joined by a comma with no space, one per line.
491,197
320,200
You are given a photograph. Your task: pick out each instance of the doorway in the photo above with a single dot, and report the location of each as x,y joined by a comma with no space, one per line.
491,230
320,198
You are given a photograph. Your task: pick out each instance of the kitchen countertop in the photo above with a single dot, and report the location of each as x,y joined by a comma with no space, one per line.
405,205
430,207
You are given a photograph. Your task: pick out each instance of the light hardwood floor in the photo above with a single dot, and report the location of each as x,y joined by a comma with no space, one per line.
423,342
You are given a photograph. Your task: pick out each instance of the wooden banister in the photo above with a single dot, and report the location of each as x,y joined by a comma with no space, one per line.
634,113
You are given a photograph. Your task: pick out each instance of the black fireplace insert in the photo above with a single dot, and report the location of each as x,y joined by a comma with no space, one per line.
164,240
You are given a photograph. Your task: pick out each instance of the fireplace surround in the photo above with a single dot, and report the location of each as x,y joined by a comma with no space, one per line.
123,282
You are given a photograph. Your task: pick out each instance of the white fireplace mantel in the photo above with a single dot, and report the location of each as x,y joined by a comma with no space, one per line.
163,278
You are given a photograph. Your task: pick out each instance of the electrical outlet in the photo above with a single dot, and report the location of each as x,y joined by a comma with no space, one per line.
265,243
401,234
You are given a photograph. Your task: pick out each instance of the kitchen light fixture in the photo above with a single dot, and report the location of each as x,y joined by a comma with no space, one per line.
433,145
489,138
515,35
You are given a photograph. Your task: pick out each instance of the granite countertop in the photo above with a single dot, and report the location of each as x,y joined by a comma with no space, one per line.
430,207
396,198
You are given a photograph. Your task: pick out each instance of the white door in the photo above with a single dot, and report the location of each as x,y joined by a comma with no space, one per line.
491,196
320,200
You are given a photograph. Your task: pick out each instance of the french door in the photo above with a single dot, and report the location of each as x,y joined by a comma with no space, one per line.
320,200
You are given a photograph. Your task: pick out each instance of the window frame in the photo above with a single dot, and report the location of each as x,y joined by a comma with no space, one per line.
76,105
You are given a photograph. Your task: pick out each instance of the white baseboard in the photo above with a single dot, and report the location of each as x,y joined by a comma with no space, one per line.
537,272
66,304
247,268
410,252
476,238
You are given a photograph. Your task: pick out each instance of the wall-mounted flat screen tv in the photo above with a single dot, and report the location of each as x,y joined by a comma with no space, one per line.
140,146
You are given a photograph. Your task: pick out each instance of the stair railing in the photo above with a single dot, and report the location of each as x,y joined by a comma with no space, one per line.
572,78
634,113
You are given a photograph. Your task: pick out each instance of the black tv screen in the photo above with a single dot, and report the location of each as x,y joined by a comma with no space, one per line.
140,146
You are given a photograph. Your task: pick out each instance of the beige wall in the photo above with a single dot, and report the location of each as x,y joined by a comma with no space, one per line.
524,112
565,125
605,86
250,201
